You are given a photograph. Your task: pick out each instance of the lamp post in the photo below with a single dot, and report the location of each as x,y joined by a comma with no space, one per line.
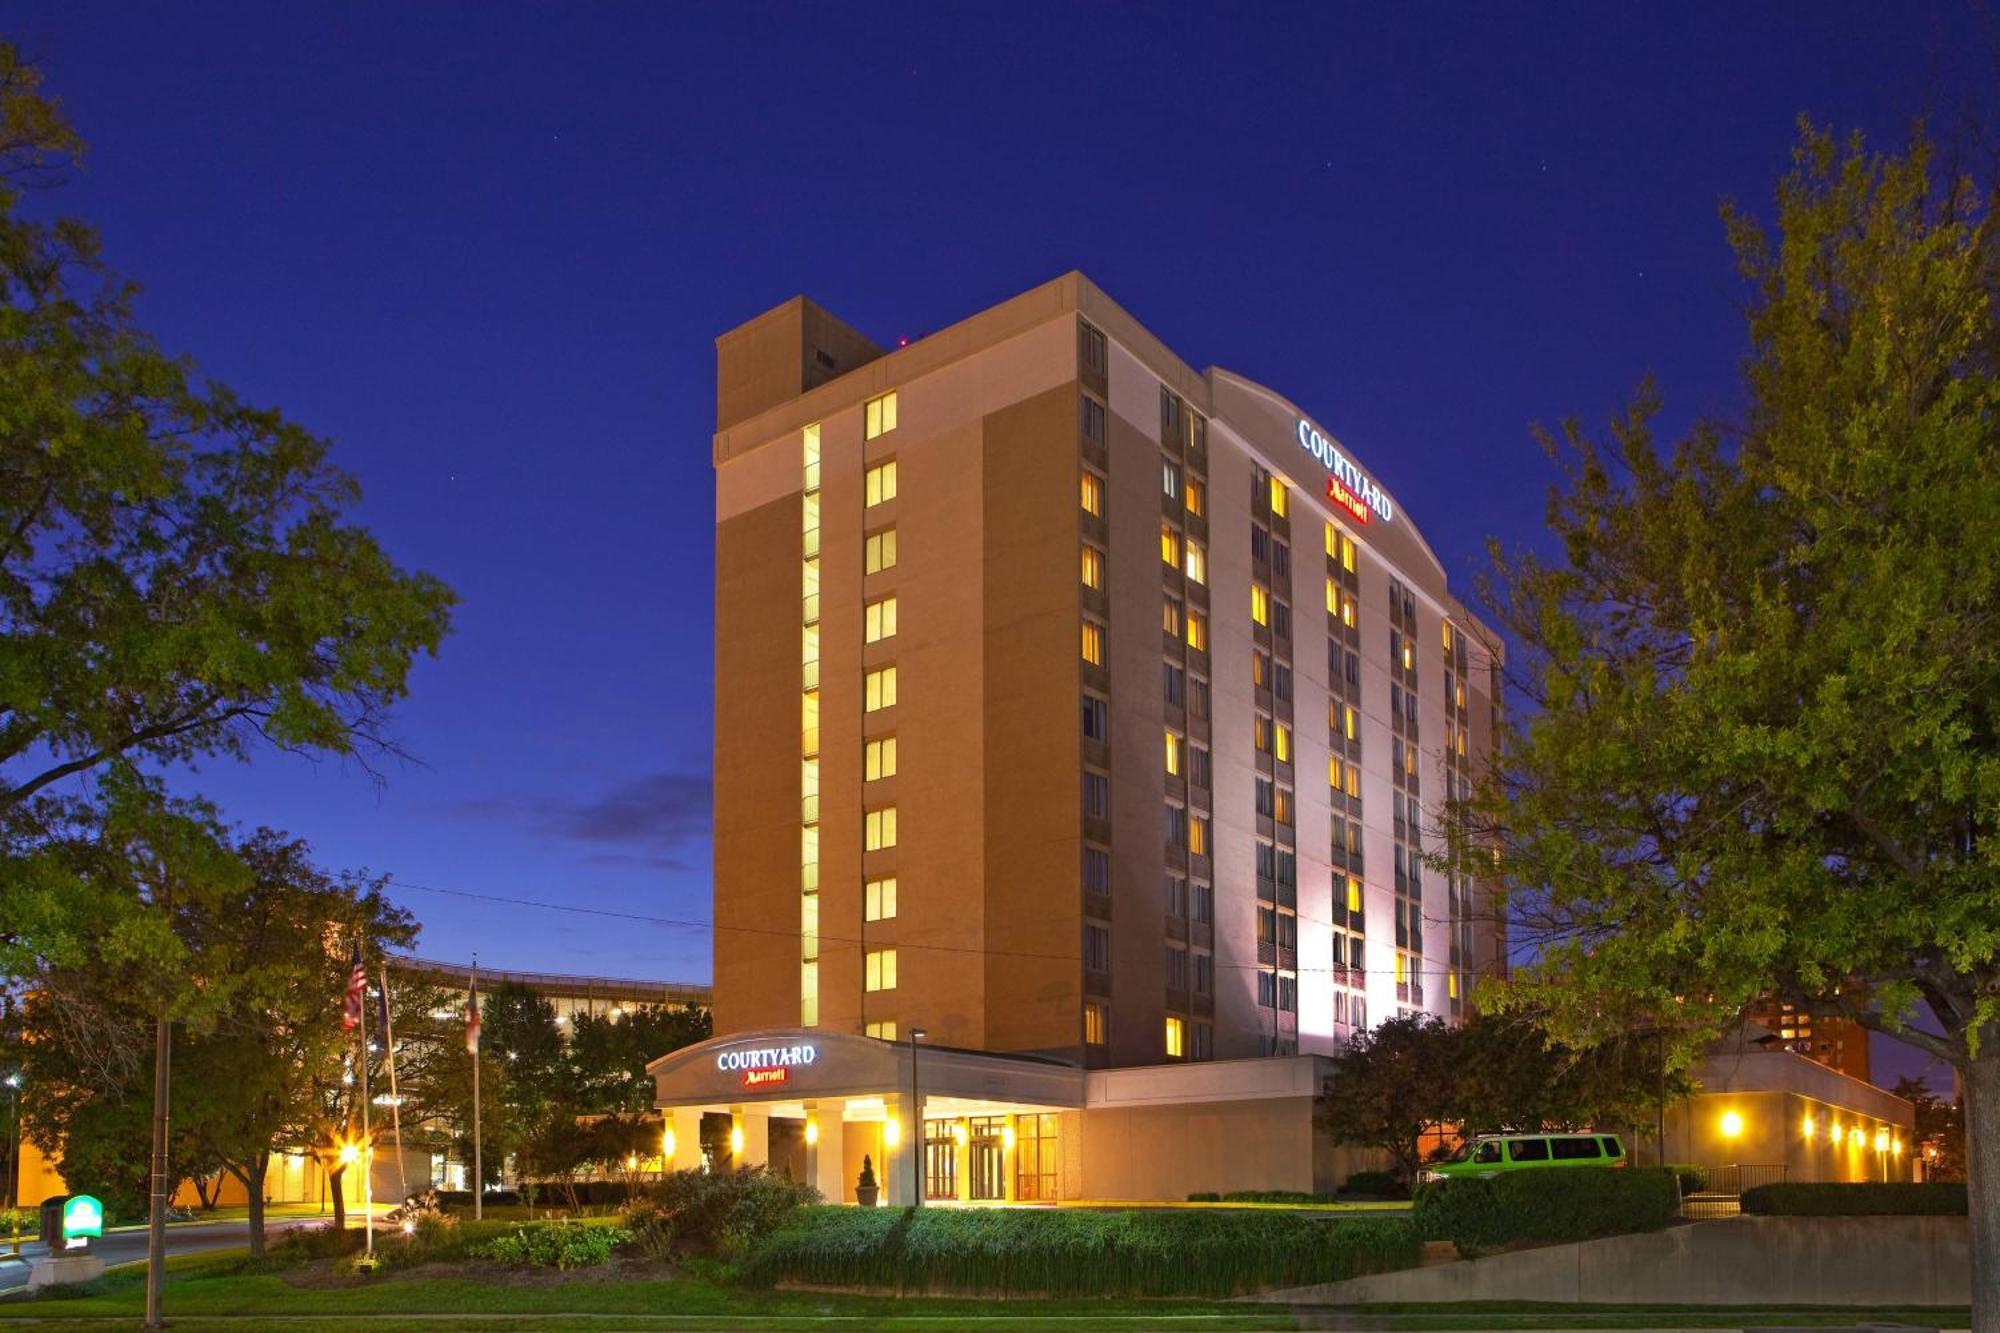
10,1190
918,1147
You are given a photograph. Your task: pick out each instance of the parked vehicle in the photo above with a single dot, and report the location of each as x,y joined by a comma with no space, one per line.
1492,1154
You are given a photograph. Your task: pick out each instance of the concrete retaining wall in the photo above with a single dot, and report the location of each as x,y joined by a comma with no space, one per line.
1731,1261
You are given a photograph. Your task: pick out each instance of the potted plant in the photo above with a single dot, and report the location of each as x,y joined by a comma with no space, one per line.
866,1191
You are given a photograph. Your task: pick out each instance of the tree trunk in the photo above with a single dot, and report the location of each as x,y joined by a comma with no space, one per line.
1982,1178
251,1176
339,1200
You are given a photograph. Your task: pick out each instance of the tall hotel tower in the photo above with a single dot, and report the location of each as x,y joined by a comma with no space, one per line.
1073,702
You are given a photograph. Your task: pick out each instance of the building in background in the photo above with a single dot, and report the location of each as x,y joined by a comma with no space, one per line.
1838,1043
1072,705
570,996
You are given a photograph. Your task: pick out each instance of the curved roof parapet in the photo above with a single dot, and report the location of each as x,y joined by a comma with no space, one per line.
1269,421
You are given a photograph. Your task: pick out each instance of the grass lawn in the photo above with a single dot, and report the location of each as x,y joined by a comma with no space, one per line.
210,1291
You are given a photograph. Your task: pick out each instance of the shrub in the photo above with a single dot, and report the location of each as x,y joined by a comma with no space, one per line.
718,1213
1204,1196
554,1245
1876,1199
1375,1185
304,1244
462,1199
1693,1179
1275,1196
1545,1206
1073,1252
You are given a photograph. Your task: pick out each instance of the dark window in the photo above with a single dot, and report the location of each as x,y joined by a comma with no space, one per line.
1267,989
1096,795
1176,826
1281,560
1612,1147
1486,1152
1198,769
1096,947
1204,974
1198,697
1202,903
1176,683
1576,1149
1281,620
1090,415
1281,681
1177,969
1096,719
1096,870
1528,1150
1176,896
1090,348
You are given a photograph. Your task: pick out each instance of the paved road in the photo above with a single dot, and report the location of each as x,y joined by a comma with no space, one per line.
120,1247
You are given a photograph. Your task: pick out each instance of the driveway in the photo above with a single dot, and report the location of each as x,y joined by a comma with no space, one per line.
120,1247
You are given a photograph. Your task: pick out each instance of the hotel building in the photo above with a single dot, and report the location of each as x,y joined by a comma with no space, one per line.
1092,714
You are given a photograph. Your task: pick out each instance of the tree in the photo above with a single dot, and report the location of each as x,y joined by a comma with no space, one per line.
1939,1131
1507,1074
1763,741
1390,1086
610,1055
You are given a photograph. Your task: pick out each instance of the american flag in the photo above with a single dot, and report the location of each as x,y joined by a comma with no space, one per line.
357,991
472,1015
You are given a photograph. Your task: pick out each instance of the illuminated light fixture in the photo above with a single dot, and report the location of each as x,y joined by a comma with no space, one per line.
667,1144
409,1226
1806,1126
812,1132
349,1154
1897,1147
892,1131
959,1134
1732,1124
1881,1140
631,1161
736,1140
1007,1138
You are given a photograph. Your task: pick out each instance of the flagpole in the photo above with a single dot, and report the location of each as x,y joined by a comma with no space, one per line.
395,1100
472,1042
367,1144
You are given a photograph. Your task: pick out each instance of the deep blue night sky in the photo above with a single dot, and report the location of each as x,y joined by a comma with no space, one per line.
486,248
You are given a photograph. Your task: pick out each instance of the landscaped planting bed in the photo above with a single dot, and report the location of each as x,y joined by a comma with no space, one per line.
1867,1199
1069,1252
1545,1207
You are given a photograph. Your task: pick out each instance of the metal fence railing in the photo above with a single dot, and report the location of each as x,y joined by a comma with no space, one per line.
1721,1189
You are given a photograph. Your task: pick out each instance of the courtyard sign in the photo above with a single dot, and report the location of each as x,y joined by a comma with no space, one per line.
1346,486
775,1059
82,1217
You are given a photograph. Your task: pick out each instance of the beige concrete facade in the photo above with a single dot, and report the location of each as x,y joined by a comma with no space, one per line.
1010,932
1779,1110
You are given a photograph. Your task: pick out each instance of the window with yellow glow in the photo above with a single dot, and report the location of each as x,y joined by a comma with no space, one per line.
1093,643
808,994
1093,1025
1197,562
1170,617
879,899
1260,605
1176,1036
878,759
879,689
1093,495
880,482
1175,745
1402,968
1260,733
878,829
809,722
1282,746
1197,835
810,440
879,416
879,552
1451,984
1350,724
1332,598
879,620
882,1031
1280,498
1347,553
1347,610
1197,631
1353,894
879,970
1409,656
1093,567
1170,544
1197,498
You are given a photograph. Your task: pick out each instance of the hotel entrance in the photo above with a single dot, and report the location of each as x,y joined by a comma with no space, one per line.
986,1158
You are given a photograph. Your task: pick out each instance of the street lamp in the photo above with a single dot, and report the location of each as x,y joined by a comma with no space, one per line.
917,1148
10,1189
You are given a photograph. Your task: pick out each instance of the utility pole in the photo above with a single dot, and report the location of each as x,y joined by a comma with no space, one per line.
156,1221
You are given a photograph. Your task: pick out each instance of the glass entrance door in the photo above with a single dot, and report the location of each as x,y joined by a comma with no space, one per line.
987,1158
940,1159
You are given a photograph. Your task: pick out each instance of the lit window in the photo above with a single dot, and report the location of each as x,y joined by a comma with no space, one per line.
1170,544
1093,1024
1451,984
1347,611
1093,495
1176,1032
1402,968
809,722
808,994
1093,567
1282,750
1170,478
882,1031
1175,745
811,451
1197,562
881,416
881,482
1196,498
1198,835
880,620
879,829
1353,894
1260,733
880,689
880,899
1347,553
1332,540
1170,617
1350,723
881,969
1197,631
1332,598
879,759
879,552
1093,643
1260,605
1280,498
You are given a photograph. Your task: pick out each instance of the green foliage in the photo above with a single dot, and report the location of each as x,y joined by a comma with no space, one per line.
1375,1185
1076,1252
562,1245
1693,1179
1204,1196
1389,1085
866,1180
1867,1199
718,1213
305,1244
1545,1206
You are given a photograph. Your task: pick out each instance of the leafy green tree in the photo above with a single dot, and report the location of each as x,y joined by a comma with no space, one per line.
609,1056
1763,747
1939,1131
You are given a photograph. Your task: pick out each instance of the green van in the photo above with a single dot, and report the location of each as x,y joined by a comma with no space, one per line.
1491,1154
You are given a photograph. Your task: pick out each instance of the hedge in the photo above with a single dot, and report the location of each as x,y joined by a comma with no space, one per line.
1075,1252
1260,1196
1867,1199
1545,1206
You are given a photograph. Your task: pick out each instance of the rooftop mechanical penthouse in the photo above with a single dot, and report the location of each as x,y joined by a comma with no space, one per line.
1072,703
